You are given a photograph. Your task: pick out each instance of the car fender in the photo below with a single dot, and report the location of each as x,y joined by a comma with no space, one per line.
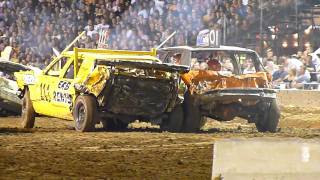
24,79
95,81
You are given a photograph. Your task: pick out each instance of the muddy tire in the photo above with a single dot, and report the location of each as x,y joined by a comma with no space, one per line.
174,121
268,120
27,114
113,124
193,119
85,113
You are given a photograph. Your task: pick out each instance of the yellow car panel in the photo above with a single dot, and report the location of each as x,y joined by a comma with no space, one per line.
53,92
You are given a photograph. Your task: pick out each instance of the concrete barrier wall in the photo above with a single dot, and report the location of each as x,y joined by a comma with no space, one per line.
299,98
266,158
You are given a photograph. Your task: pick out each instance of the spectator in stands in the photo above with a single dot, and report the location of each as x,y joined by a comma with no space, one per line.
249,67
271,67
203,66
227,65
293,63
270,56
281,74
302,77
291,77
37,26
251,17
195,66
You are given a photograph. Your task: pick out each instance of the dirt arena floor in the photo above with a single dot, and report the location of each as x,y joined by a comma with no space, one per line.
53,150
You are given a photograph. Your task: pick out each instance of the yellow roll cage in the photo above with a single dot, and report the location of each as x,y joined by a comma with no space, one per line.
121,54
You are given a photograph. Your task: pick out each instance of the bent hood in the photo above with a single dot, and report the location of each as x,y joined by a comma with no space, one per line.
205,80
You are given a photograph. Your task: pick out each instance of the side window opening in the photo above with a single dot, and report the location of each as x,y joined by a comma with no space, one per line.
70,71
169,57
163,55
220,61
247,63
56,68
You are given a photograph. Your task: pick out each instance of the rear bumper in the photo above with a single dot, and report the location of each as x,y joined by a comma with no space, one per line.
237,94
139,97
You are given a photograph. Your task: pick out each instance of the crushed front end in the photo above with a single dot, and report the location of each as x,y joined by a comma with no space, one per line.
10,103
225,97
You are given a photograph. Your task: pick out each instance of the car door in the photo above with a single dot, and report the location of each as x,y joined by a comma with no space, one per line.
64,93
45,88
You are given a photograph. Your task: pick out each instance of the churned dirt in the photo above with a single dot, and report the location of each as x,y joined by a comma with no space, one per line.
53,150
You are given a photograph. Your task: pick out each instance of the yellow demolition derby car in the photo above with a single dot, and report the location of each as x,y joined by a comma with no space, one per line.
114,87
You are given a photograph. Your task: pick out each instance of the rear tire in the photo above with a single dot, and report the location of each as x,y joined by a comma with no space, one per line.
85,113
175,120
27,114
269,119
193,119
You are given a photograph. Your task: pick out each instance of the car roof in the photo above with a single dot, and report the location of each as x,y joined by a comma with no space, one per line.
9,66
221,48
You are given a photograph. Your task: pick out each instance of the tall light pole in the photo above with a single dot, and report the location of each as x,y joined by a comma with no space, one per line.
224,29
261,18
297,24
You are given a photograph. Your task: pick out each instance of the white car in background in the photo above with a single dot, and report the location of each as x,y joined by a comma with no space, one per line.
10,103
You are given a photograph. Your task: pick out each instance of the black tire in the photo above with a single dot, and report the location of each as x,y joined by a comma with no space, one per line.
193,119
113,124
269,119
174,121
85,113
27,115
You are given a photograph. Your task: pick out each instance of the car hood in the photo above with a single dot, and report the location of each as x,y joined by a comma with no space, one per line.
206,80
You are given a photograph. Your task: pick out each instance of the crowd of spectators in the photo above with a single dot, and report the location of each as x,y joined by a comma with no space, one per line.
295,71
34,27
148,23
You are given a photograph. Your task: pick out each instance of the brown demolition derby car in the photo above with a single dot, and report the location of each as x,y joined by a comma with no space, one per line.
224,82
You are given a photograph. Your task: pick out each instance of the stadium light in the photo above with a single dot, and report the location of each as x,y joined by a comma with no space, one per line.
308,30
307,44
284,44
265,44
295,36
272,28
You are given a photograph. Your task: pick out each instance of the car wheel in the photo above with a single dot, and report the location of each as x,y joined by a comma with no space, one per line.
268,120
193,119
85,113
27,114
113,124
174,121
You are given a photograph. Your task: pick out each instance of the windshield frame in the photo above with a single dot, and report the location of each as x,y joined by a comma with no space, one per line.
235,61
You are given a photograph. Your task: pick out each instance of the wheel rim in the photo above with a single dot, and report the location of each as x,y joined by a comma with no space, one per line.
80,116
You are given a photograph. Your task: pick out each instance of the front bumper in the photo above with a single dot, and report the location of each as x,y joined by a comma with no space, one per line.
9,100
